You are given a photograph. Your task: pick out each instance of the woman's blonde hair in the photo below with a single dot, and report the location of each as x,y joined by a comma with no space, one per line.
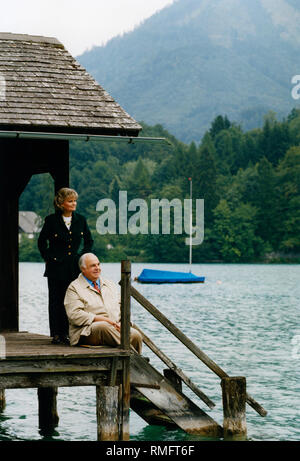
61,196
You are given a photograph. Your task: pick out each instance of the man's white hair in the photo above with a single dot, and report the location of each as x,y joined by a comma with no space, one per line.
82,259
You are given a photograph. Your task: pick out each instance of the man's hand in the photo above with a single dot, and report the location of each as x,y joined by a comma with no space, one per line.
99,318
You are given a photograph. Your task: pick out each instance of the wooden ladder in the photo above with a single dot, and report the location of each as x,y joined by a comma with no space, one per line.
159,401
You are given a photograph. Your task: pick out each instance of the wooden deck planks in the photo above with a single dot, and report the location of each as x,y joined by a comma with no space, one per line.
31,360
24,345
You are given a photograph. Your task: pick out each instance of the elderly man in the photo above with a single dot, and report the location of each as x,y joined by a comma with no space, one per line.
93,308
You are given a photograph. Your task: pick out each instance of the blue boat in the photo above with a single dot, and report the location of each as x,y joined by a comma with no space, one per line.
156,276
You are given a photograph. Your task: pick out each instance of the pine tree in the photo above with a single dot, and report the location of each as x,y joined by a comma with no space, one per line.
224,152
139,184
205,181
267,203
289,203
220,123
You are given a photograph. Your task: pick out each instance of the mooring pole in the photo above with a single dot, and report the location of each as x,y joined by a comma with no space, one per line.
2,400
107,400
48,416
234,406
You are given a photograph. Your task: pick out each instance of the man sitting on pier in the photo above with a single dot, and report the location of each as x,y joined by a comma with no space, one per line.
93,308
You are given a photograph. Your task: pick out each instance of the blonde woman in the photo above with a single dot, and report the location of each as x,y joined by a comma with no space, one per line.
65,236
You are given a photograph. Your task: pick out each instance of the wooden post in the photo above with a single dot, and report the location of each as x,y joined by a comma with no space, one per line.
125,344
2,400
234,406
59,169
9,283
10,172
19,160
107,407
48,416
125,304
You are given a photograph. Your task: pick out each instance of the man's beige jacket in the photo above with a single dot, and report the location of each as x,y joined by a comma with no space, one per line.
83,303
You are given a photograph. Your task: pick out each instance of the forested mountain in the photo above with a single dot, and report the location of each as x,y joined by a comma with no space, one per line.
196,59
249,180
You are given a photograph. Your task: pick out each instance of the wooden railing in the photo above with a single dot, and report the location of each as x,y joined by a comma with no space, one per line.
189,344
129,291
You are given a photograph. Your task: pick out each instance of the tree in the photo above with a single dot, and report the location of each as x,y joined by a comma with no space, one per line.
188,161
139,183
114,189
250,153
289,190
294,126
205,181
28,249
267,203
235,233
224,152
220,123
274,140
281,139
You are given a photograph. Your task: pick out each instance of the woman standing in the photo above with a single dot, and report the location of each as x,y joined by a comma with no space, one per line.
59,244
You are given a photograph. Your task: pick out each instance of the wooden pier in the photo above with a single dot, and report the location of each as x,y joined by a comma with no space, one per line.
32,361
123,379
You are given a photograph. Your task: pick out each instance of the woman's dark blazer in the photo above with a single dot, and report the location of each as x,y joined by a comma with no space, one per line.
60,247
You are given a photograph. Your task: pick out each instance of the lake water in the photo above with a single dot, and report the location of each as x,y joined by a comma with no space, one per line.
244,317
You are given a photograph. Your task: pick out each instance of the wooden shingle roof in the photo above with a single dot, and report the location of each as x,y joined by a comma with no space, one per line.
43,88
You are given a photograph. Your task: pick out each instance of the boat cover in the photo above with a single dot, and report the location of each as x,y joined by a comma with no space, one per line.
156,276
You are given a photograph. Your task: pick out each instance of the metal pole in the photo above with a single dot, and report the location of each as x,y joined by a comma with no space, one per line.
191,221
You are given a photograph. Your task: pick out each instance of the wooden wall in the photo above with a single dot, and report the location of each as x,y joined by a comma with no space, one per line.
19,160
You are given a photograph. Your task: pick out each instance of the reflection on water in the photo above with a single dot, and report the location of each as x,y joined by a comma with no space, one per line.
244,317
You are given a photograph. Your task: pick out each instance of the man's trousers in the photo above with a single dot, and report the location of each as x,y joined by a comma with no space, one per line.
105,334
